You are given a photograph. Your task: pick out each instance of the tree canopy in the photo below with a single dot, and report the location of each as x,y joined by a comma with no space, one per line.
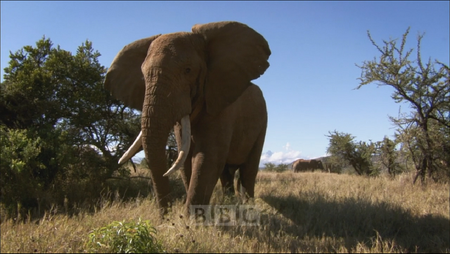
425,86
61,128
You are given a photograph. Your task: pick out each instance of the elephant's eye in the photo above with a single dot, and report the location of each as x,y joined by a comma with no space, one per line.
187,70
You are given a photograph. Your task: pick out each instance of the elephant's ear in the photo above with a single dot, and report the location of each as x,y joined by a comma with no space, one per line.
124,78
237,54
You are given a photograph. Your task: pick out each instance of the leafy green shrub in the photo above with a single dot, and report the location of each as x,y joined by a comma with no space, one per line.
270,167
19,169
125,237
359,155
59,127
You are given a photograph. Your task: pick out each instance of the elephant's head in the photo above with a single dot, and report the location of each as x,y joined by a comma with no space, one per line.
316,164
175,76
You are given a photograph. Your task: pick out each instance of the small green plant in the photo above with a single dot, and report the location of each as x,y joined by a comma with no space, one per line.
125,237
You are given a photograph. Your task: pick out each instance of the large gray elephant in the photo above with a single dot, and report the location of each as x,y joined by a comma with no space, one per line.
198,83
301,165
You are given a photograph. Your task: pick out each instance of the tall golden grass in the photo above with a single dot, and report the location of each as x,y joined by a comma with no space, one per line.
299,212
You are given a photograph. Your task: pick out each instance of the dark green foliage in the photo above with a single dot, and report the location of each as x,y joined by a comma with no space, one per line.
271,167
52,102
171,149
388,155
425,86
333,164
412,140
19,169
343,148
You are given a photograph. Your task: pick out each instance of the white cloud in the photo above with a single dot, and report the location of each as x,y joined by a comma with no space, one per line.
286,156
287,146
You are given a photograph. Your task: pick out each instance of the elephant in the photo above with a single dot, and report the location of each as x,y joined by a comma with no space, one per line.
304,165
227,180
199,84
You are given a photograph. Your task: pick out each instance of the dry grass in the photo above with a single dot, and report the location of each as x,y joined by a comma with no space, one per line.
300,212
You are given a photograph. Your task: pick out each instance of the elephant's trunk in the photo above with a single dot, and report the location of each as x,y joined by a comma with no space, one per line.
155,131
163,107
153,99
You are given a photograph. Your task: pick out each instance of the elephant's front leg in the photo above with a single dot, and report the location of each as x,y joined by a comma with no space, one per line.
206,169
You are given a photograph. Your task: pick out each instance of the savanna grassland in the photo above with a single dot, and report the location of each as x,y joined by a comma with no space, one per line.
299,212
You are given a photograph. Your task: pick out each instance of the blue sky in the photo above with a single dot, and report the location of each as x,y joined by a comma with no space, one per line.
309,86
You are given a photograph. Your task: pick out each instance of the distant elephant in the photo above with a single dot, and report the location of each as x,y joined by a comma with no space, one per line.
305,165
198,83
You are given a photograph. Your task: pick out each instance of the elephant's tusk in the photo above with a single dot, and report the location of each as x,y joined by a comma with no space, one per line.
185,145
134,148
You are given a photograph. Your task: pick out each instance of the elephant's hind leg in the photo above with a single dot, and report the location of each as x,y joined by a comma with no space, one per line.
227,179
250,169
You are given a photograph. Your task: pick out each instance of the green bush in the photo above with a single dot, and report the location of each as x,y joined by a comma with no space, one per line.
125,237
59,127
19,169
270,167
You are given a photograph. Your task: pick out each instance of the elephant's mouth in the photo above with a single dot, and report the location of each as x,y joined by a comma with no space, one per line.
182,154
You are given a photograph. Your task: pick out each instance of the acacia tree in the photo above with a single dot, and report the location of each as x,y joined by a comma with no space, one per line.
388,156
425,86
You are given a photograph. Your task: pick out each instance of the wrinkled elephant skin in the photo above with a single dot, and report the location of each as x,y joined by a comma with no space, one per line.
203,77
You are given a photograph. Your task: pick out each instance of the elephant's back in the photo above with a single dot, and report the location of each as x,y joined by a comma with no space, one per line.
253,94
